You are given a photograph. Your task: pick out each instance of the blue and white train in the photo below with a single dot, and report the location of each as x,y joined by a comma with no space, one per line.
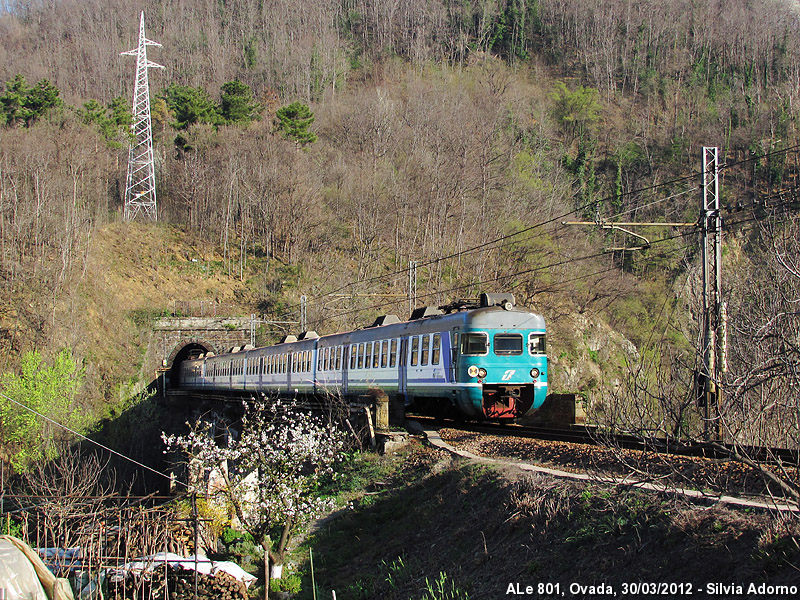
482,361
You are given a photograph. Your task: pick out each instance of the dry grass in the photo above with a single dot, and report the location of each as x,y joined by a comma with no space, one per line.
485,528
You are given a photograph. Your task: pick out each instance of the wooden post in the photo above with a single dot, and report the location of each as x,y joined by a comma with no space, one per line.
372,441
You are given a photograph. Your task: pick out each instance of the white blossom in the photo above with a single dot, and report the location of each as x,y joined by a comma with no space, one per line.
272,467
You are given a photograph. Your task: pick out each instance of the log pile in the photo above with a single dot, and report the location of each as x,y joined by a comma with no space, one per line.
177,584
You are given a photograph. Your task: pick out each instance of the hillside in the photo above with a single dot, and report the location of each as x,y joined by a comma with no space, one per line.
461,137
429,523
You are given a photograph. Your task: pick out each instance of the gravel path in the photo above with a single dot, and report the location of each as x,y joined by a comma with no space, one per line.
713,480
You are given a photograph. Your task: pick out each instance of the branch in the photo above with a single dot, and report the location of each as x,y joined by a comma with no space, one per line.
788,487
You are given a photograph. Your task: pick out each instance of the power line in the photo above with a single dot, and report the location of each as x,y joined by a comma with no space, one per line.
91,441
497,240
515,234
499,278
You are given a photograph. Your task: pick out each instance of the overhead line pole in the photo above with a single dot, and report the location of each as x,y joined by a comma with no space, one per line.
713,310
140,186
709,379
412,286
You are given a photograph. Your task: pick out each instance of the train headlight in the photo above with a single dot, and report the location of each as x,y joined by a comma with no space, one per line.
481,373
472,371
534,372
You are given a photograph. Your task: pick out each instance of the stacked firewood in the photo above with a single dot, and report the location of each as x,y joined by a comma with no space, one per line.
178,584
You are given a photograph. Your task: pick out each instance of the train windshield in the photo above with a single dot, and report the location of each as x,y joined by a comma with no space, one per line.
536,343
507,344
474,343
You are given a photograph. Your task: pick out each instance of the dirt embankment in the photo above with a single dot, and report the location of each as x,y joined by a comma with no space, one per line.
484,533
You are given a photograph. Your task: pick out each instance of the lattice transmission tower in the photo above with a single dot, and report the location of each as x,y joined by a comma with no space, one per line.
140,188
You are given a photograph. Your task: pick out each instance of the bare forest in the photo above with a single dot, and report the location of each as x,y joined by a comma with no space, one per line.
456,134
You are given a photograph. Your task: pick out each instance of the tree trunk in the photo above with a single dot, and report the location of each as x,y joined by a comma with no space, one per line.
266,544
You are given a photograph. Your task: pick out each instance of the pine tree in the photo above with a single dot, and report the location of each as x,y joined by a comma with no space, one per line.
294,121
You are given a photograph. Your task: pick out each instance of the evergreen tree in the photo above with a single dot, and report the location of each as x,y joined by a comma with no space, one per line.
21,103
294,121
236,103
191,105
113,121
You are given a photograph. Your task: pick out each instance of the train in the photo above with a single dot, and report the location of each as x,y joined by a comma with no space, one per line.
483,359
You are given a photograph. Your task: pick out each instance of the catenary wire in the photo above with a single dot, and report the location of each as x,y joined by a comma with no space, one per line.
495,241
292,308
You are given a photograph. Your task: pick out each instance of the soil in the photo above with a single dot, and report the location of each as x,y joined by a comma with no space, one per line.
446,527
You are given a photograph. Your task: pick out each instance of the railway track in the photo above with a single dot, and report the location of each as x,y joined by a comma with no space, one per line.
591,436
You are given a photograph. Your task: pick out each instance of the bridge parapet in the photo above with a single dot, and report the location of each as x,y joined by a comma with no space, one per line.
202,324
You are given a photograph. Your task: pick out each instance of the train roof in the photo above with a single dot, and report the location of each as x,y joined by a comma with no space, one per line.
490,311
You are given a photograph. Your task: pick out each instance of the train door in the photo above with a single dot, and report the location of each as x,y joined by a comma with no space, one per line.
345,366
290,358
454,354
402,369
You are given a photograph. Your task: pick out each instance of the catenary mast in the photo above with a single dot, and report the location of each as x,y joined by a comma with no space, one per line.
140,188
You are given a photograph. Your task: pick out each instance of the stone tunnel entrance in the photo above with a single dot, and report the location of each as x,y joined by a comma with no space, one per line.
177,338
183,352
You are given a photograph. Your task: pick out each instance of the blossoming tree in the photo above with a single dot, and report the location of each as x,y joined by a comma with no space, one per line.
268,472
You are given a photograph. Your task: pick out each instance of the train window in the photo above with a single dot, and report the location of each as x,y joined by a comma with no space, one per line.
360,355
536,343
309,360
393,354
368,356
414,350
507,344
437,348
376,356
338,358
474,343
426,346
353,352
384,353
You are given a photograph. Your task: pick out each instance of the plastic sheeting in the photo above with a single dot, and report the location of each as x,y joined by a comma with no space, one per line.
23,575
17,576
201,564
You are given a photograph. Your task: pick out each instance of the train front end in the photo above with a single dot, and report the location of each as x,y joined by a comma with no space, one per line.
502,361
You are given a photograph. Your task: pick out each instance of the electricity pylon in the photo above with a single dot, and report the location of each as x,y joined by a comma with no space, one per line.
140,188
